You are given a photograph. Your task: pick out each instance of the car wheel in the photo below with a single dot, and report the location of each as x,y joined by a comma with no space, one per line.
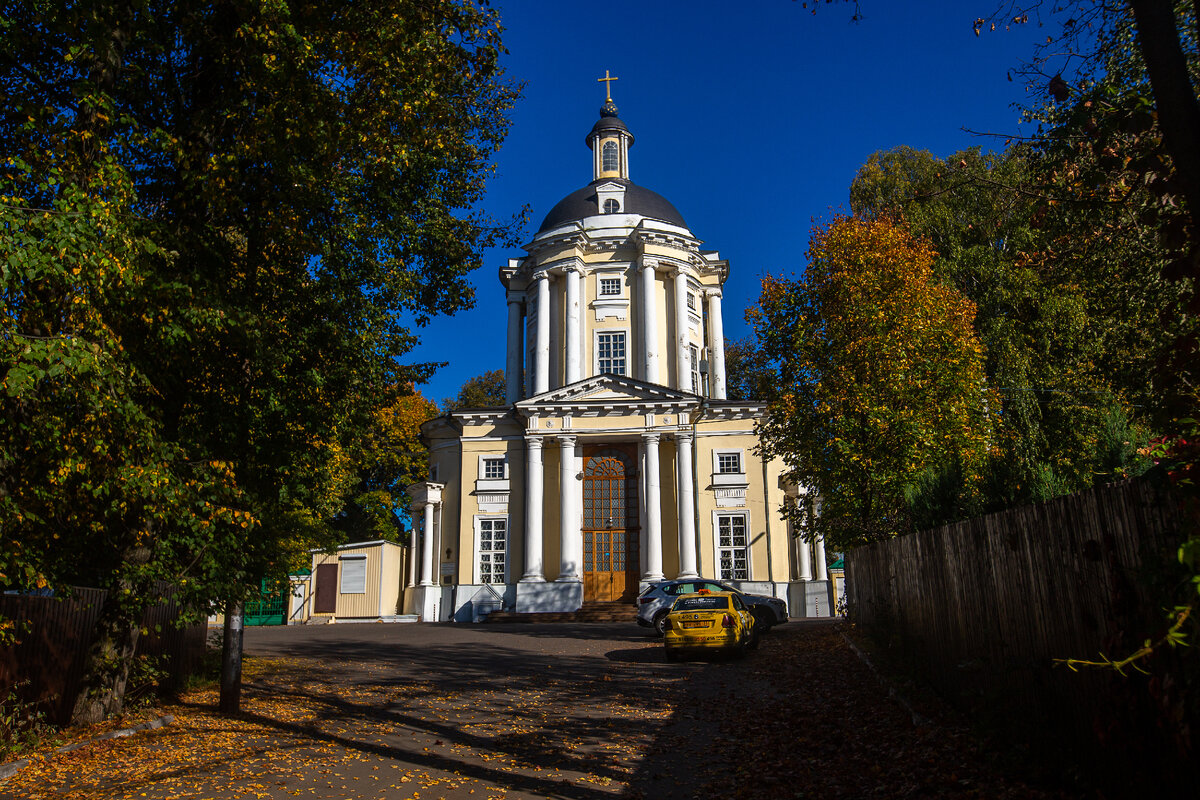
752,642
762,620
660,623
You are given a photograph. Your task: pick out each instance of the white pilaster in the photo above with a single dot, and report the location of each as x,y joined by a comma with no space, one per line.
683,371
516,352
571,273
570,541
654,568
649,322
541,379
687,505
533,511
716,347
427,547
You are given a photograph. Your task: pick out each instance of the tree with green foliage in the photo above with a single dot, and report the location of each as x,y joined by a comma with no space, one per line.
482,391
880,378
216,219
392,456
748,372
1068,325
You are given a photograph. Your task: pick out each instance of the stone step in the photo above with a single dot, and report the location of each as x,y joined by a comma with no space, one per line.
591,612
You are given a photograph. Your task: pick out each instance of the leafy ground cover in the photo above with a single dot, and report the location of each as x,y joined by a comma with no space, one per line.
541,711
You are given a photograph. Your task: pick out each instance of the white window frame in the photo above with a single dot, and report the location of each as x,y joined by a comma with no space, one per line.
345,561
717,516
484,458
694,357
492,494
612,280
720,478
610,305
610,147
597,333
477,566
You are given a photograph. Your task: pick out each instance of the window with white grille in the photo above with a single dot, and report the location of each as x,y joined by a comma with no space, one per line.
694,355
493,468
610,287
610,353
608,155
493,548
733,552
729,463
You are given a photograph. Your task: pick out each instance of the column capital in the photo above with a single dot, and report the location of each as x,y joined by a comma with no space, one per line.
683,436
566,439
533,442
713,293
679,269
650,263
651,437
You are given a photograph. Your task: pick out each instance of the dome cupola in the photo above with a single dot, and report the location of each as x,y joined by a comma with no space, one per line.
610,141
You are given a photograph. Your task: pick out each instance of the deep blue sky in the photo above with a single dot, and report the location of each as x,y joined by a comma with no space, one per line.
751,117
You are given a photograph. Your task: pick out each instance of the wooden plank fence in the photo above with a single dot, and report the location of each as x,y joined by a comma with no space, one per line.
48,659
980,609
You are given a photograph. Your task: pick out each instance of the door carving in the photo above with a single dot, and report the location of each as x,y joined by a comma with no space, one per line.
610,524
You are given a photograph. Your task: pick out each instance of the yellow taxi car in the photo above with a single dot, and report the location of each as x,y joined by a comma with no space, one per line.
709,622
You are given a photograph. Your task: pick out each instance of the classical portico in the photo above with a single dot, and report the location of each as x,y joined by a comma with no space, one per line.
618,458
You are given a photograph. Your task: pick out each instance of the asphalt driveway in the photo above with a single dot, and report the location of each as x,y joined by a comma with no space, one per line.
534,711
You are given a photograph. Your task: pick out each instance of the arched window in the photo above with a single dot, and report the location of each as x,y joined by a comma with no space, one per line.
611,206
608,155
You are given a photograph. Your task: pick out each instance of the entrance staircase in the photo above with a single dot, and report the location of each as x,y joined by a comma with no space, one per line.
595,611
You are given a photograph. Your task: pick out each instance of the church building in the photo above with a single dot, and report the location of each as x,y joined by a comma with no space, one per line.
618,458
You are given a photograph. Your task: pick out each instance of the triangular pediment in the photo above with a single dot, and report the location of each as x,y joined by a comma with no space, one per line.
605,390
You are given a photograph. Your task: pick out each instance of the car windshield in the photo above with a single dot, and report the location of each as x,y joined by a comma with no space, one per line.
701,603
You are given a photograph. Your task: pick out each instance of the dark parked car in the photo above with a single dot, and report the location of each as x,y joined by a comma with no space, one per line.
654,603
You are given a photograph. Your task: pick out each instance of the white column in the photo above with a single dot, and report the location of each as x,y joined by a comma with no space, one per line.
427,547
716,347
654,569
803,559
687,506
649,323
570,542
683,372
541,375
819,557
573,373
516,352
533,511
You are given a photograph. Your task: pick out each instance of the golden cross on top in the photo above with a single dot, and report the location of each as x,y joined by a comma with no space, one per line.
607,81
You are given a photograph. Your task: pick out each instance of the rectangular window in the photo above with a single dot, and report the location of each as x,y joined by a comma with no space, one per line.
691,301
610,349
610,287
354,575
694,355
729,463
732,546
493,469
493,547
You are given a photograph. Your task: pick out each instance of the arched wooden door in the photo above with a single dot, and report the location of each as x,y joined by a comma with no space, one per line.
610,524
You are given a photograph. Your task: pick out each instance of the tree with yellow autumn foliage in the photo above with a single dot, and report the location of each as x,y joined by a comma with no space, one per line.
880,378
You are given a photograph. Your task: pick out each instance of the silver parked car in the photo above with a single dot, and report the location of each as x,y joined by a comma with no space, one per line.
654,603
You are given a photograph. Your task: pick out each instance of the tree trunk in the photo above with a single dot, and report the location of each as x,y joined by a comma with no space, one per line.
231,658
111,653
1174,96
